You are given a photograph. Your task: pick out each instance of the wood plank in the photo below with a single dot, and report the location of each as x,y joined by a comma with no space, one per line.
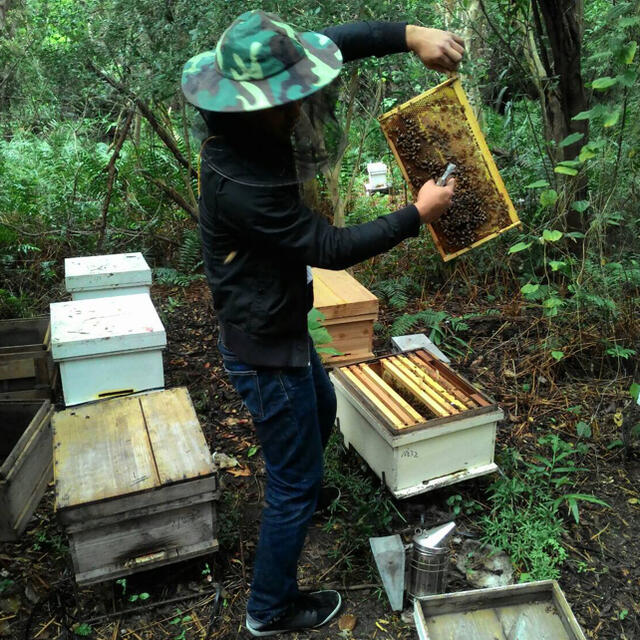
421,373
412,415
17,369
406,366
345,358
97,514
25,473
102,451
176,437
384,410
391,372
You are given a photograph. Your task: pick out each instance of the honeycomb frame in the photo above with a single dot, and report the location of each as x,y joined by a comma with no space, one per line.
424,135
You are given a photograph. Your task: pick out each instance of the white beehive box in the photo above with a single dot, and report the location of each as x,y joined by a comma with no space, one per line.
107,347
103,276
135,484
413,452
377,174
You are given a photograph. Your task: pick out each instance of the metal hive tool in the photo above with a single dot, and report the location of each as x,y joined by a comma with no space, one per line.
429,132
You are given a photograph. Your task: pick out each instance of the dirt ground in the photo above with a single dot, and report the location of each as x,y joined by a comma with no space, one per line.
205,598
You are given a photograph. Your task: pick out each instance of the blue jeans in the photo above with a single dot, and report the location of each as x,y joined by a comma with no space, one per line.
293,411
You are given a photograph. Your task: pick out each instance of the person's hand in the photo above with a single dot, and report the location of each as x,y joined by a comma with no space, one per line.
433,200
439,50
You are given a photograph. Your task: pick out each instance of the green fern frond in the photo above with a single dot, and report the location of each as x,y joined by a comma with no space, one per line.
190,253
397,291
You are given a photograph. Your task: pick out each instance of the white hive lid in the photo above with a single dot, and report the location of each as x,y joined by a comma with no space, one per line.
376,168
84,328
106,272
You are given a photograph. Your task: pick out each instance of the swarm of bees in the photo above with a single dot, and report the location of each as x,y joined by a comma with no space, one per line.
425,153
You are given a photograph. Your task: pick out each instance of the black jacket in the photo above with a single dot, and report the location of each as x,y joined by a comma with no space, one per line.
257,241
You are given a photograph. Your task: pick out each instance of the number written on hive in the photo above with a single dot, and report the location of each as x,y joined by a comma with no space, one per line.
409,453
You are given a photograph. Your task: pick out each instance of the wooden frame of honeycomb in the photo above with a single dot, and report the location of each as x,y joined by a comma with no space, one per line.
428,132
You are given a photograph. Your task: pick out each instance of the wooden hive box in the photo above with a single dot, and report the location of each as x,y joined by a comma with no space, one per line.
25,462
430,131
107,347
104,276
528,611
26,369
135,484
417,423
349,311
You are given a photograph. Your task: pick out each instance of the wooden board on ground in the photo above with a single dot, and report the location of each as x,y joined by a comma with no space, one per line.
25,463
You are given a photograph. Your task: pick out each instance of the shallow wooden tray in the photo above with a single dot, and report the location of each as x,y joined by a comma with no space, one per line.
530,611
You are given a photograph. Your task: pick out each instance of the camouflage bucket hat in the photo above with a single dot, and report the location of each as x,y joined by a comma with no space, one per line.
260,62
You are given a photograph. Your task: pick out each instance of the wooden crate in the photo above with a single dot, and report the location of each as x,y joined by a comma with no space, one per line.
135,484
417,423
25,462
27,371
529,611
107,347
349,311
428,132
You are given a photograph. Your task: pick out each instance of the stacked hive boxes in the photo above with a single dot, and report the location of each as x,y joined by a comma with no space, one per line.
349,312
135,485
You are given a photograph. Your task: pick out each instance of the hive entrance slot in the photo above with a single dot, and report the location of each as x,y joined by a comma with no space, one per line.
115,394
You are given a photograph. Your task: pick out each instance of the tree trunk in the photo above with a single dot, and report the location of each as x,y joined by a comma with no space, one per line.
4,7
563,29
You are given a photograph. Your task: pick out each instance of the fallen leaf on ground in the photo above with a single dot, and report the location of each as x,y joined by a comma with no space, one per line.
347,622
240,471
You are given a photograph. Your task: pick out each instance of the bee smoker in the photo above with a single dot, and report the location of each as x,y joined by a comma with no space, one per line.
429,561
426,560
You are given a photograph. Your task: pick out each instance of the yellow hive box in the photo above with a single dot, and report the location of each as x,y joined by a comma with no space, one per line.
428,132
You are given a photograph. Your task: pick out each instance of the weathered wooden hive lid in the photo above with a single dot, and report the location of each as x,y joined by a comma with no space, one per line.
123,446
106,272
84,328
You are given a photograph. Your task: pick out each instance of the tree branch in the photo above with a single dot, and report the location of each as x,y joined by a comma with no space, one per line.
150,117
176,196
111,172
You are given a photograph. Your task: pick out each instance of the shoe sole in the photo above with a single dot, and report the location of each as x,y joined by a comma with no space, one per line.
275,632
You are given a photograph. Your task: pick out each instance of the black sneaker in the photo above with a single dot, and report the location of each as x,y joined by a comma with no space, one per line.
307,612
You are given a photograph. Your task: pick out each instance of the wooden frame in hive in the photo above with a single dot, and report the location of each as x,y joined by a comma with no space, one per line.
446,130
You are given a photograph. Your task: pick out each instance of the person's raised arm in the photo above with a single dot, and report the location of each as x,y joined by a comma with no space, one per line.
437,49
